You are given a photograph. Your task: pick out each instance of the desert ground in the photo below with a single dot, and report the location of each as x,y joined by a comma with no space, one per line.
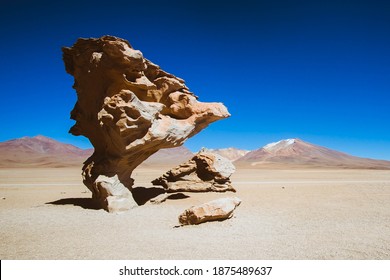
46,213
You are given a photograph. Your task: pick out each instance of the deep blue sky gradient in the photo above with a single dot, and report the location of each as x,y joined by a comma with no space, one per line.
316,70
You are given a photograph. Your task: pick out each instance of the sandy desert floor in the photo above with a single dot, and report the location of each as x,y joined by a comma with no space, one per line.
285,214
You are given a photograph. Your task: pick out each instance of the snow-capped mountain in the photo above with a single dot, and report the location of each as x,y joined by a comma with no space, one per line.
295,152
277,146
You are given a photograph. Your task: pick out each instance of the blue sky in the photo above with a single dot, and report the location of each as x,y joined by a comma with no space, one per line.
315,70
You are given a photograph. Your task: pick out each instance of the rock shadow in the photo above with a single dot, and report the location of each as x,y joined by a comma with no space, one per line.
142,195
178,196
86,203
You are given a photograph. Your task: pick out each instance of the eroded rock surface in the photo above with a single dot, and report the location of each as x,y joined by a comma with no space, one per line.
219,209
128,108
203,173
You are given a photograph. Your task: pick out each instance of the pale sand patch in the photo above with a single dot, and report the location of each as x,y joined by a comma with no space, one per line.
285,214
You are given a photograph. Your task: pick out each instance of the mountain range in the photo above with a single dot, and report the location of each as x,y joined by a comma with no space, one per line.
41,151
297,153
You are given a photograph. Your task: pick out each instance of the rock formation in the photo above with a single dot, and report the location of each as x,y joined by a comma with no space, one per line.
203,173
215,210
128,108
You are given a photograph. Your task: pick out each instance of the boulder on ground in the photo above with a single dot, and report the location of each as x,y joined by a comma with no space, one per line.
219,209
205,172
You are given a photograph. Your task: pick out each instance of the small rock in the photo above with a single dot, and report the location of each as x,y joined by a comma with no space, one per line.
219,209
159,199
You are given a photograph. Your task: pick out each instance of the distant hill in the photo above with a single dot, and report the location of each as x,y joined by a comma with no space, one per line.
297,153
41,151
229,153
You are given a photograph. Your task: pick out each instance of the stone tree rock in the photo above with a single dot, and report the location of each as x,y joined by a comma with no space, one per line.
205,172
128,108
219,209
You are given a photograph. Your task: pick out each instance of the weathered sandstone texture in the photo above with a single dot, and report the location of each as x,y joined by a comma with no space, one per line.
204,172
128,108
219,209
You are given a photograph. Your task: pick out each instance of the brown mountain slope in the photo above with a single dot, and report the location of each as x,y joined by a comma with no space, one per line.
41,151
297,153
229,153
